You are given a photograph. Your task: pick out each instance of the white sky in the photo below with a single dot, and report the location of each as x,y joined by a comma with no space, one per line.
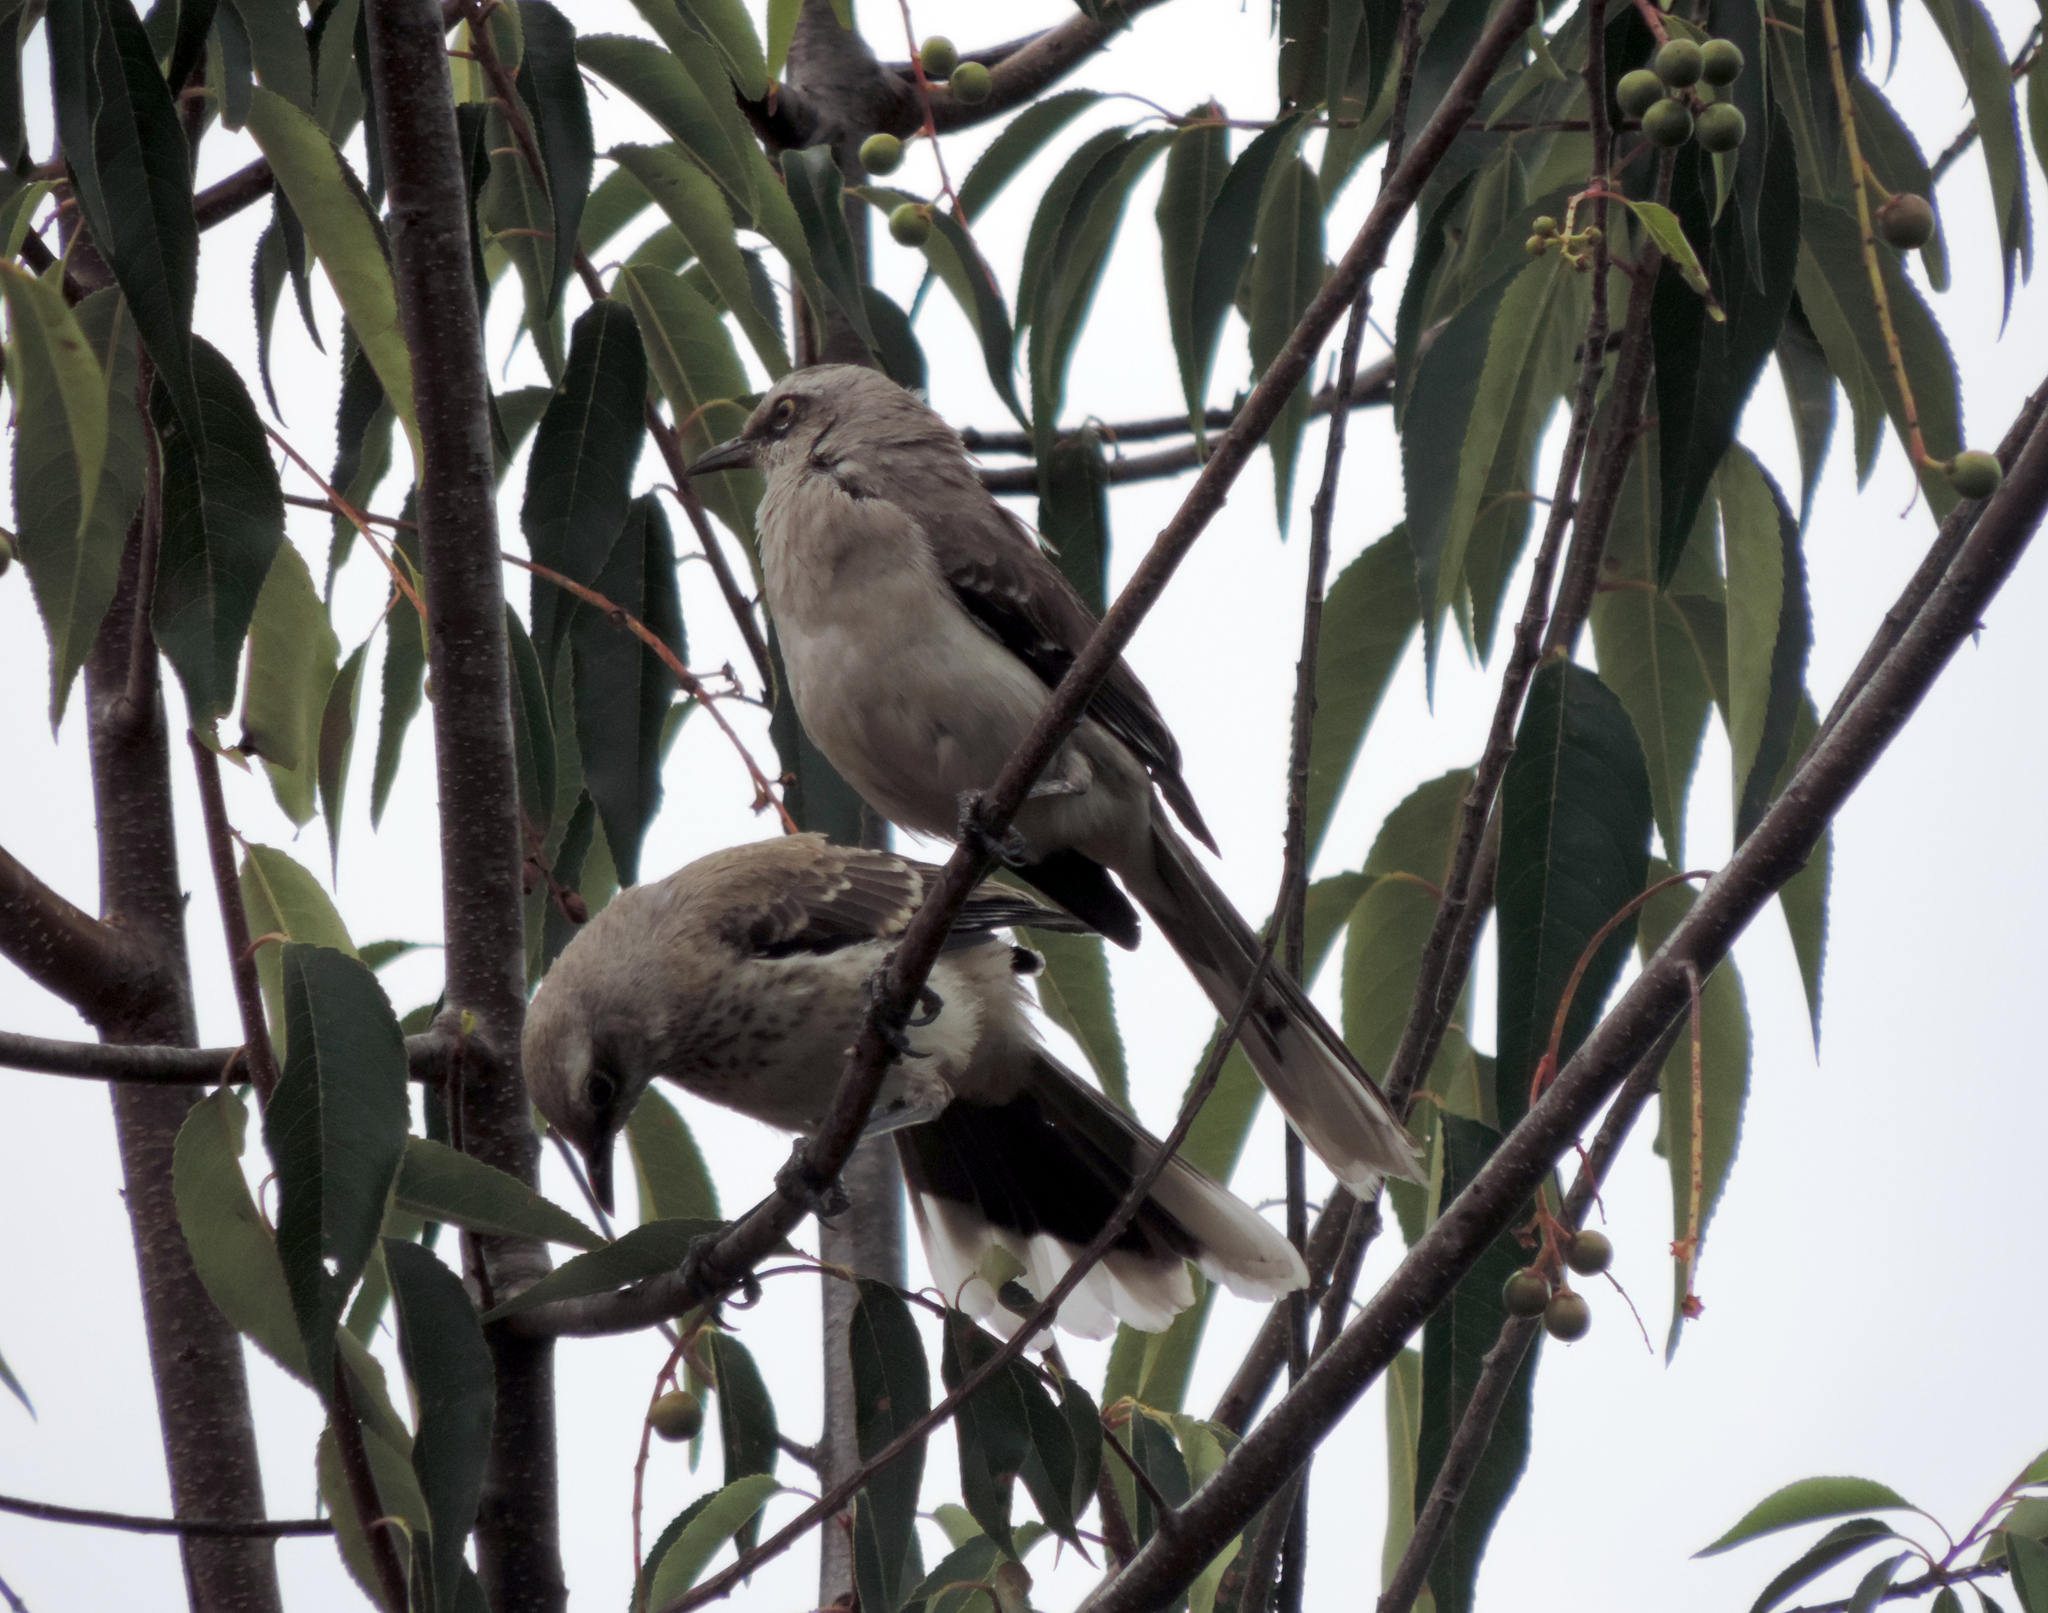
1856,1322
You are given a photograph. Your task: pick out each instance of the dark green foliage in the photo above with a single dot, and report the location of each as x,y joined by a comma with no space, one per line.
891,1390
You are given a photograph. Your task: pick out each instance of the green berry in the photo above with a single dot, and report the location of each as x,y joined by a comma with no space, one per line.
677,1416
1567,1316
911,224
1638,92
1974,475
1721,127
1668,124
969,84
1543,225
1536,246
938,57
881,154
1526,1292
1906,221
1720,62
1589,1253
1592,235
1678,62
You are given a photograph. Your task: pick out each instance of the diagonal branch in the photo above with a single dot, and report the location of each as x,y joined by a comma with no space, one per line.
1774,851
94,966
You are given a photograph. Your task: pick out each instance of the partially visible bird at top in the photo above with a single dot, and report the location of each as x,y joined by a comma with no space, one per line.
744,978
923,629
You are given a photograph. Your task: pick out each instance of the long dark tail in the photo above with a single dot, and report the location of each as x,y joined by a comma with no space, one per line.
1039,1176
1327,1098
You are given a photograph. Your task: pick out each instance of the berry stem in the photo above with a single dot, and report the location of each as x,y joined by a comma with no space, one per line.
1697,1185
1860,178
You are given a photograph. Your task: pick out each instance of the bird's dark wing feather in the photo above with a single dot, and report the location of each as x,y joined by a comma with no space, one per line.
1021,598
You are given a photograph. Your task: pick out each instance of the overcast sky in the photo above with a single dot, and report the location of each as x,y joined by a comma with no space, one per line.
1873,1283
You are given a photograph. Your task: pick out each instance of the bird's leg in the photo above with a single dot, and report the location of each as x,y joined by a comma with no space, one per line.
923,1097
1009,849
1054,786
891,1023
795,1183
932,1005
697,1274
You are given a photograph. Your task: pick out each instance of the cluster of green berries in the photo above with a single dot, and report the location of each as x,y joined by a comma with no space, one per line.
882,154
1566,1315
968,81
1543,231
1664,95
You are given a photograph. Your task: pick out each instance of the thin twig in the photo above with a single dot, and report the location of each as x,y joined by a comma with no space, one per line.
218,1528
669,441
362,1490
146,1064
259,1056
1906,1589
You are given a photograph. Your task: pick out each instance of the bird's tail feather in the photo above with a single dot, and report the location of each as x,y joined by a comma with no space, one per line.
1335,1106
1038,1176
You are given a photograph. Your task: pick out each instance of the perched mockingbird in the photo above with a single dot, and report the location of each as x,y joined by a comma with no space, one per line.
923,629
744,977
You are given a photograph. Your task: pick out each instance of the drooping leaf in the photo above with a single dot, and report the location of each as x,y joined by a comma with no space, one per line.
1808,1501
1227,235
746,1416
1195,170
1075,990
1769,629
956,261
1073,512
533,732
665,89
552,89
1894,156
993,1428
646,1251
231,1246
401,686
673,1180
454,1389
441,1184
1804,897
343,237
2029,1560
891,1390
579,474
686,1548
1287,272
292,654
282,899
1575,841
726,24
1404,1425
515,224
223,526
897,349
336,1131
277,49
1810,395
1973,40
338,742
814,191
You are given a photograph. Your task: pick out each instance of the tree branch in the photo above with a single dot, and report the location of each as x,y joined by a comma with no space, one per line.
1905,1589
1774,851
220,1528
429,1059
1037,64
101,971
259,1058
224,199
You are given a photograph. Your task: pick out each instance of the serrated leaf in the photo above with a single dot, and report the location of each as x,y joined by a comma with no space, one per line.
2029,1562
402,684
533,731
516,222
1893,154
1227,235
1073,512
673,1180
292,653
1972,39
338,742
955,1585
1021,139
692,203
343,237
1769,629
992,1425
454,1390
1287,273
277,49
1369,615
956,261
815,189
1808,1501
1810,397
72,550
683,1553
1837,1545
1075,990
726,24
1646,656
891,1390
440,1184
552,89
336,1130
1196,167
231,1246
223,527
282,899
1575,836
1669,235
667,91
646,1251
746,1415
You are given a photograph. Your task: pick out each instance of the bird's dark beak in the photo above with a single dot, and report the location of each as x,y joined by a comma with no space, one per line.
599,1162
735,453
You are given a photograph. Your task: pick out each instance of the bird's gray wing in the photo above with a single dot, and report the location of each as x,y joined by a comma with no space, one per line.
1005,583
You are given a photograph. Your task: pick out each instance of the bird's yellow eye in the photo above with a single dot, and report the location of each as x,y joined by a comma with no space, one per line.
781,415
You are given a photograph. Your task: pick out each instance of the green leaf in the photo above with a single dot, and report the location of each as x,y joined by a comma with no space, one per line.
282,899
1404,1425
277,49
552,89
891,1390
1871,1588
1894,156
1227,235
1382,947
72,548
231,1245
814,191
673,1180
1647,658
1769,629
958,263
693,205
1808,1501
122,139
955,1585
2029,1560
1669,235
617,201
338,742
1369,615
1810,395
1709,367
1834,290
403,682
292,652
1973,40
1075,990
1073,512
646,1251
1021,139
336,1131
1837,1545
1287,272
14,1387
454,1389
706,1526
1575,833
667,91
533,728
746,1415
1195,170
1455,1343
1724,1086
623,689
725,23
343,236
782,16
579,475
441,1184
993,1427
362,447
516,221
223,526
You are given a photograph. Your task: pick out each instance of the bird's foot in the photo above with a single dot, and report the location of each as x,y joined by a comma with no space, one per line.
891,1023
930,1006
698,1273
1008,848
796,1183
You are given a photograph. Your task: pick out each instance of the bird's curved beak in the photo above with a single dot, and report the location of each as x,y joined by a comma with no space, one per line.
599,1163
735,453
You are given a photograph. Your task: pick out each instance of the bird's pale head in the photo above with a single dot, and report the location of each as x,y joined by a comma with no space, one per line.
838,418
